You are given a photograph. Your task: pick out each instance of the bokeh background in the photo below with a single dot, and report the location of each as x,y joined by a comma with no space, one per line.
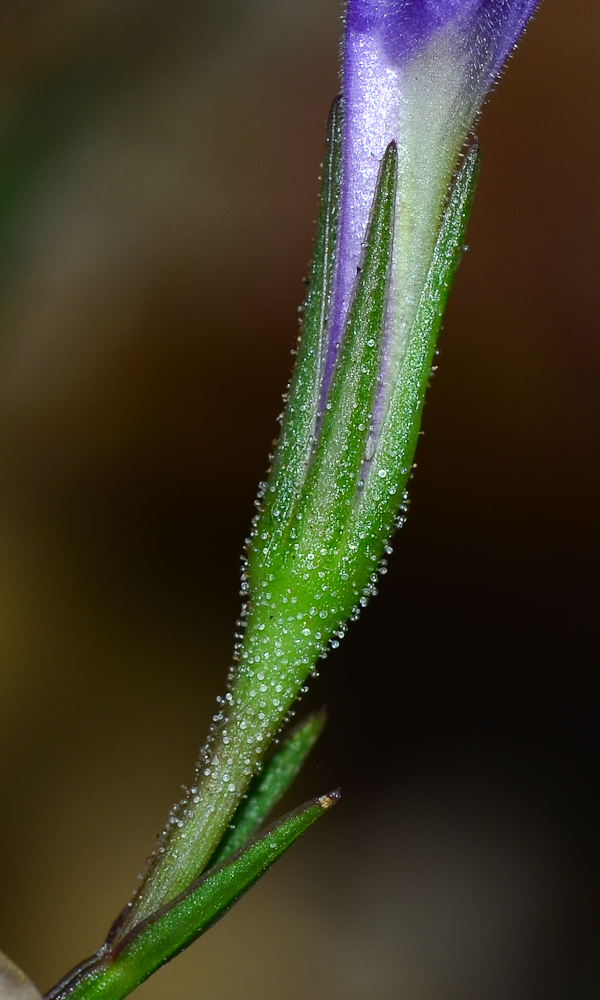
158,180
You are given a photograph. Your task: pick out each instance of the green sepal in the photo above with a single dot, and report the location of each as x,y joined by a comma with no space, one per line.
333,481
373,518
270,785
296,441
115,971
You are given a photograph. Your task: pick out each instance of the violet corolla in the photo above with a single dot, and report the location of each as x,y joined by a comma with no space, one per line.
415,72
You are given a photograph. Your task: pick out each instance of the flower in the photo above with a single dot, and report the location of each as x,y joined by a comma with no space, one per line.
389,237
394,207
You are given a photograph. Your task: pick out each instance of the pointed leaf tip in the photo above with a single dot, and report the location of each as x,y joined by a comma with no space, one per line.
329,800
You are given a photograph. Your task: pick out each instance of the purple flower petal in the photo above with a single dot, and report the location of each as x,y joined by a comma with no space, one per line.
404,26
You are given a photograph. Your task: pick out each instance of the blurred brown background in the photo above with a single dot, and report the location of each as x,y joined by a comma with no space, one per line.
158,177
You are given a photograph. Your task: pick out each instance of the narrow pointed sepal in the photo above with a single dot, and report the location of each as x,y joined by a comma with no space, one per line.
373,518
299,422
333,481
115,971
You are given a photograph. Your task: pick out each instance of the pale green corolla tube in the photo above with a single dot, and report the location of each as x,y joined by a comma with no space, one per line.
394,204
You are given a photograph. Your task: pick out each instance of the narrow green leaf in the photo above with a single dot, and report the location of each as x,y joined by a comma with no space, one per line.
116,971
296,441
269,786
333,479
